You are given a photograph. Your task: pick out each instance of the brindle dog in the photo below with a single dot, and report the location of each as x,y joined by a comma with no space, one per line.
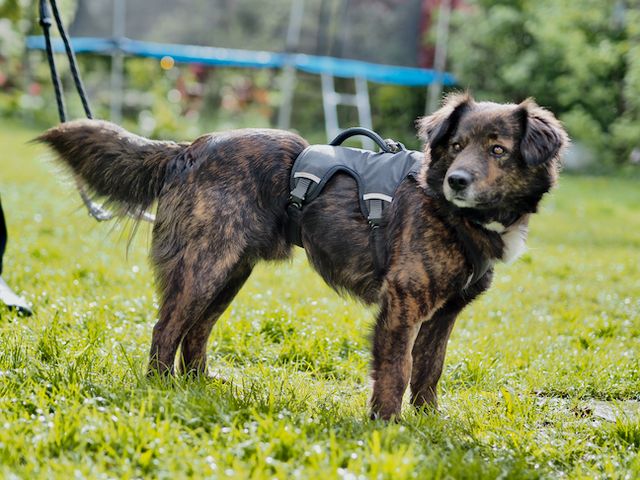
222,207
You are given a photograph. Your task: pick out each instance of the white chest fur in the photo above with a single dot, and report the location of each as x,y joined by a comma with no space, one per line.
514,238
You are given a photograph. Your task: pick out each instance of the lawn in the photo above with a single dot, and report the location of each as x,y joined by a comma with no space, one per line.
541,379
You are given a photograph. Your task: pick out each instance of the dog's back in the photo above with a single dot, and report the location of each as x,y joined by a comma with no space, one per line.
132,171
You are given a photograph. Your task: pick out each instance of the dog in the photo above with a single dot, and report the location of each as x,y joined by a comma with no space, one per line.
221,208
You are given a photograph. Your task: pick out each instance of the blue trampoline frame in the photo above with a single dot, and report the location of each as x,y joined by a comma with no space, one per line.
338,67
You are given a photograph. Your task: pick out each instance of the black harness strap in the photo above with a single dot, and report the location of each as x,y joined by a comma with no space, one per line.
375,211
294,231
377,237
299,193
294,210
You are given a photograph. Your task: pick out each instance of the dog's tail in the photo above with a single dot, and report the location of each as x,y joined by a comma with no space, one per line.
127,169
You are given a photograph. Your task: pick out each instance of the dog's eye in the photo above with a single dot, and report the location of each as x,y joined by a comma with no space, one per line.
498,150
456,147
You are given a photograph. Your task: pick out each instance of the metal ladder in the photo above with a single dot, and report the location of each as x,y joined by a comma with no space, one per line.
332,99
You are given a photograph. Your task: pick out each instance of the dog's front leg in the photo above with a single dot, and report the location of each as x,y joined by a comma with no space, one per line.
430,346
395,332
428,354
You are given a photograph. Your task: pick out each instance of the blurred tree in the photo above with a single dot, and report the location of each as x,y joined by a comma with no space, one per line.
581,59
12,30
21,91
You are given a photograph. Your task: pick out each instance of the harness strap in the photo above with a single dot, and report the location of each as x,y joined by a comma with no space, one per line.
377,237
375,212
294,209
299,193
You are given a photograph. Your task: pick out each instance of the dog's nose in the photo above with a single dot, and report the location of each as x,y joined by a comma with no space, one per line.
459,180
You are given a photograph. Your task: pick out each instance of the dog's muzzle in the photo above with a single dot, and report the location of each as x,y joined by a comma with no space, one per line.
458,188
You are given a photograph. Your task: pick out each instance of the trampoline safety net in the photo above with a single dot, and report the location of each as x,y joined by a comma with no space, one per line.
377,31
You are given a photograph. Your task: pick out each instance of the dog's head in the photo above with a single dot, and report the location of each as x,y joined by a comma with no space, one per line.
490,158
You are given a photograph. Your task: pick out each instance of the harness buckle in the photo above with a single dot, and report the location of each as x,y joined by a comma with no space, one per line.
295,202
374,222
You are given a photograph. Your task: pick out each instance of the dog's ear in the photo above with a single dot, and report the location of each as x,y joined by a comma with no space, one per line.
437,127
543,137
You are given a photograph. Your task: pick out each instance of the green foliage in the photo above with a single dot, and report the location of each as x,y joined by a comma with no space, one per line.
580,59
558,329
395,110
13,27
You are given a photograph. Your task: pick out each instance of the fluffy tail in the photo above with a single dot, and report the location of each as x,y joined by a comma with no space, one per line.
127,169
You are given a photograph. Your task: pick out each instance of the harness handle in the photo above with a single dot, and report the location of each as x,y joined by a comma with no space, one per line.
386,146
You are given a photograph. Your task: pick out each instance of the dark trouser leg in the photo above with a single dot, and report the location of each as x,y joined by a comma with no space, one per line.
7,296
3,236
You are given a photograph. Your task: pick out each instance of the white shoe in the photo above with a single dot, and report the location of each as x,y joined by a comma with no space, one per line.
11,300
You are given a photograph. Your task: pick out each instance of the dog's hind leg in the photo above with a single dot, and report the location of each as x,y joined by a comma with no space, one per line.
189,282
193,349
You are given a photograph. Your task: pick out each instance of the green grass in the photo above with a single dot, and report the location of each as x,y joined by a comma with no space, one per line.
558,330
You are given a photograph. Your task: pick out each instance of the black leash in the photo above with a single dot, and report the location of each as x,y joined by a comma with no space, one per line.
45,23
94,209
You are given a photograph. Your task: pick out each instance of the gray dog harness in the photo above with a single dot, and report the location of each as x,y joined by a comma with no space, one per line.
376,174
